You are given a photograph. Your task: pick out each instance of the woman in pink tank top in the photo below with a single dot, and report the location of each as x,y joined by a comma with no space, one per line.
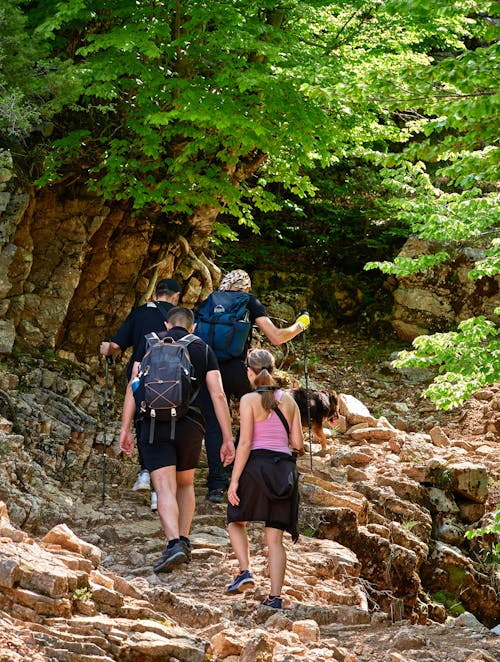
264,482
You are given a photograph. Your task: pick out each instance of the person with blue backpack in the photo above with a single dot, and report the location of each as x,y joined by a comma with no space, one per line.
224,320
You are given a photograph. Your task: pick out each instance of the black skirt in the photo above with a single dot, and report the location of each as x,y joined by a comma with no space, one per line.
268,491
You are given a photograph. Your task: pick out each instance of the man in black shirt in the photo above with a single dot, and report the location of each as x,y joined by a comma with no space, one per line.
144,319
172,462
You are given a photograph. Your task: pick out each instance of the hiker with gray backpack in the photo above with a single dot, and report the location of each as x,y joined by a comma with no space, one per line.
224,321
164,390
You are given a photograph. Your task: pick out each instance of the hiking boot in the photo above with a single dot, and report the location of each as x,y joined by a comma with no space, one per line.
215,496
273,601
154,501
171,557
242,582
143,482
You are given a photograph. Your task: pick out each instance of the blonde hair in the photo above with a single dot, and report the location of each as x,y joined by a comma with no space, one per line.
262,363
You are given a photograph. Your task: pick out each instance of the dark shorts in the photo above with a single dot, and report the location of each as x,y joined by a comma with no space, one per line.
183,451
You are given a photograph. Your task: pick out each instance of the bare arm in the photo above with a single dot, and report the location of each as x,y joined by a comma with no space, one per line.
126,439
243,450
275,335
216,390
296,436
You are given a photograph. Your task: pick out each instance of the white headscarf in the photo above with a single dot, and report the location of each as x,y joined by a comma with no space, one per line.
236,280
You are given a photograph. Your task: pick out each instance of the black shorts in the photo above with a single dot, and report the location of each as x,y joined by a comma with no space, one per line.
183,451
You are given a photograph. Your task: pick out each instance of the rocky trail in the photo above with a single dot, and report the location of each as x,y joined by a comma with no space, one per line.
383,513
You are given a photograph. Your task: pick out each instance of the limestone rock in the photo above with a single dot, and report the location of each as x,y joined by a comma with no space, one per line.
354,410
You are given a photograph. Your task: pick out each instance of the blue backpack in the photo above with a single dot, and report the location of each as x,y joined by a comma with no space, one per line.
223,322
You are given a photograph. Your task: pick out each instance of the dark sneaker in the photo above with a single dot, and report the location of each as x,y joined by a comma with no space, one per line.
215,496
273,602
187,547
171,557
242,582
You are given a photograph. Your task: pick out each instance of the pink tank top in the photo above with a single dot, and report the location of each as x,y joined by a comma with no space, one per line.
270,434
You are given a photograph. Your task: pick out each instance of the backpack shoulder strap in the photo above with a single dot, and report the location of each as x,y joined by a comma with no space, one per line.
160,309
187,339
282,418
151,339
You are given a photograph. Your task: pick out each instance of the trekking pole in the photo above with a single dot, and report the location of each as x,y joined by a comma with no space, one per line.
108,359
308,399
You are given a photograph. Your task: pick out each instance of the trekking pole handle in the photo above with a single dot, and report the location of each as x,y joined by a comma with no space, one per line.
303,320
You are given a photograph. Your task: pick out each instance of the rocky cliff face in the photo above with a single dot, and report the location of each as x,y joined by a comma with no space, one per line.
441,297
72,267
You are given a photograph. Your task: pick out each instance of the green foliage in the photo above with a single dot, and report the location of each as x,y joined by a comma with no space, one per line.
468,359
33,84
18,82
493,528
490,265
186,101
192,99
83,594
5,448
442,184
403,266
448,600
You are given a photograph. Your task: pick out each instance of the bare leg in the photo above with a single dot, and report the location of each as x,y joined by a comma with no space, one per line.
186,501
277,558
165,484
239,541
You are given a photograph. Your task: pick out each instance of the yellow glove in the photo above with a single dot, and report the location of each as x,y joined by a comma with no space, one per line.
303,320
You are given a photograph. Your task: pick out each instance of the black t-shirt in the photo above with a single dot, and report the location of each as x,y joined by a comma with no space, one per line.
142,320
255,308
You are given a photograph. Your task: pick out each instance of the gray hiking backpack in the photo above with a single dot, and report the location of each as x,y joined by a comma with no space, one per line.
165,387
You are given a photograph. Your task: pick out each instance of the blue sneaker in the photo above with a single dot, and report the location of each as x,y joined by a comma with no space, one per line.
273,601
242,582
171,557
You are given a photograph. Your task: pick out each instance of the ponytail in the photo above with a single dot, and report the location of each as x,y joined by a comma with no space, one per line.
265,379
262,363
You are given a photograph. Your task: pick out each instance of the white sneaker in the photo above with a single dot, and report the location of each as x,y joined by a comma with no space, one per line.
143,482
154,501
